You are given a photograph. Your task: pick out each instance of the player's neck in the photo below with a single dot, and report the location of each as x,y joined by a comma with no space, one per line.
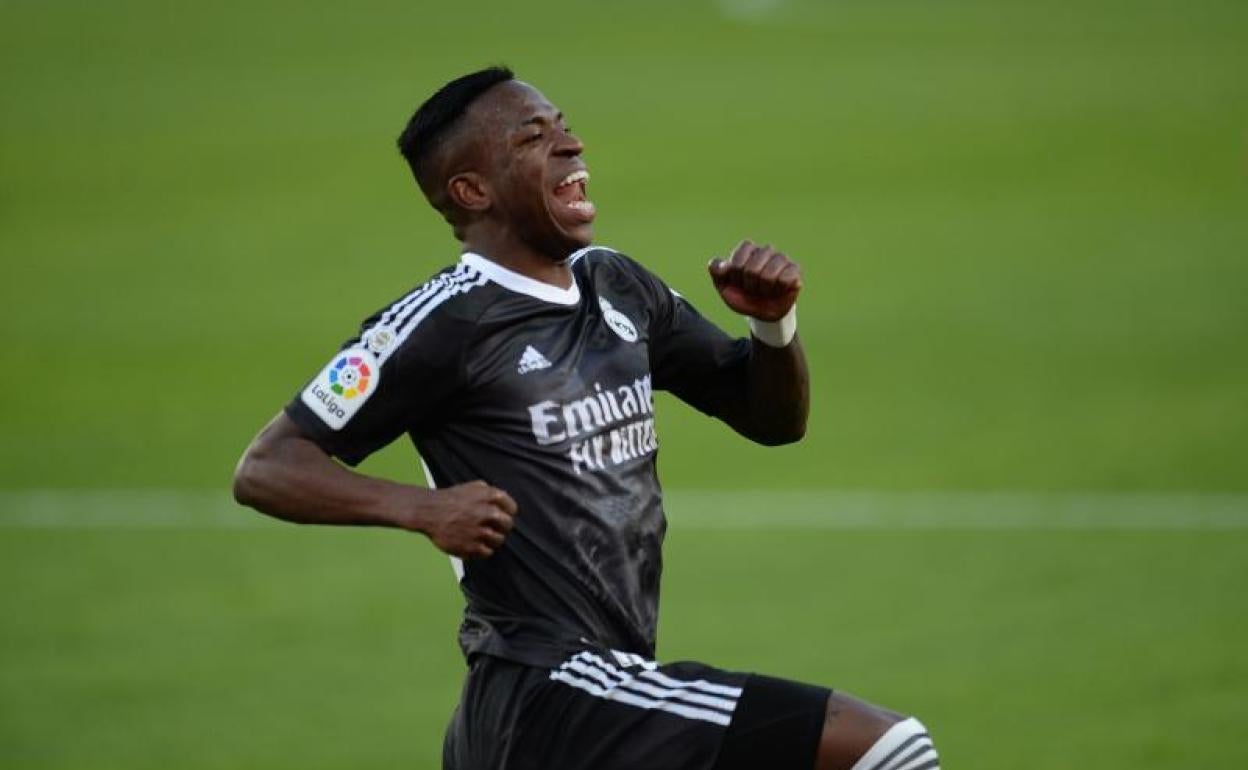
524,260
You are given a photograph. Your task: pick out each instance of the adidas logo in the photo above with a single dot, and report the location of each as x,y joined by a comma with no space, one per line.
532,360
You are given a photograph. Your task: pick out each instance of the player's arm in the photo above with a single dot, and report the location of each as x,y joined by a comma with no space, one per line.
763,284
285,474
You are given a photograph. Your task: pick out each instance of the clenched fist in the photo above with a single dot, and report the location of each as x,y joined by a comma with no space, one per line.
469,520
757,281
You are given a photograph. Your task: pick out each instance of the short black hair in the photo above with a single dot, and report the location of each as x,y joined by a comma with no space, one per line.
432,120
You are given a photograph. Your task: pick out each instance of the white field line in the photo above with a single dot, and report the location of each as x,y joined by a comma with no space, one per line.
943,510
756,510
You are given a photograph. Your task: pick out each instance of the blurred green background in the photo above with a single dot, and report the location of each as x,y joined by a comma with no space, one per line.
1024,230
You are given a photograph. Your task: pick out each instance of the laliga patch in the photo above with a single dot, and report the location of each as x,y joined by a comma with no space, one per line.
618,322
343,386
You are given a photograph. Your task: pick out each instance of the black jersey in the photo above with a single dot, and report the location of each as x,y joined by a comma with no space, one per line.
545,393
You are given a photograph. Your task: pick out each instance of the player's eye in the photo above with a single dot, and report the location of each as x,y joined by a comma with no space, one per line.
531,138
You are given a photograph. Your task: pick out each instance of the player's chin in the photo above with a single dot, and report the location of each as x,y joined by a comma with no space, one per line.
576,233
580,236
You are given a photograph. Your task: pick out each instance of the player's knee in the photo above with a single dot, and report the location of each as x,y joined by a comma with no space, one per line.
906,745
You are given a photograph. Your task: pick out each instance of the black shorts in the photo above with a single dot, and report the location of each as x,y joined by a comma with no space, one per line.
606,710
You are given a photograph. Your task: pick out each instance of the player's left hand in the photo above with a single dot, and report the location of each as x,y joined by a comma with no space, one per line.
757,281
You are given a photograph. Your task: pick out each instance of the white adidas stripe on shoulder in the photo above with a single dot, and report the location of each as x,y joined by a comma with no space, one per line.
413,320
458,281
426,288
405,315
404,301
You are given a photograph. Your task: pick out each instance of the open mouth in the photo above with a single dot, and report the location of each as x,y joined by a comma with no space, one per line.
571,193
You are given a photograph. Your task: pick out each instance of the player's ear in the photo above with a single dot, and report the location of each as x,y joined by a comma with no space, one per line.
470,191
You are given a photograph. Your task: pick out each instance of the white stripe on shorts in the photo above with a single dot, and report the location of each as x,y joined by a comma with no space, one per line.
627,698
648,671
631,683
698,699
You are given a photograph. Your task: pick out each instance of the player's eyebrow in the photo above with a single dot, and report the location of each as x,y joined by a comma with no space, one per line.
542,119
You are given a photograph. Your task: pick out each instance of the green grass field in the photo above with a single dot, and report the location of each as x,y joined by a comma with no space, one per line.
1021,511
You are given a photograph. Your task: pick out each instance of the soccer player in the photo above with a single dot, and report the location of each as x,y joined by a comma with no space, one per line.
524,376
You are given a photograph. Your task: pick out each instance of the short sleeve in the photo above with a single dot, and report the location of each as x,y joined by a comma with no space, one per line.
393,377
690,356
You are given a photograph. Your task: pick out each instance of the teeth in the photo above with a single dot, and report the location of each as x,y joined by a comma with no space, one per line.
574,177
581,205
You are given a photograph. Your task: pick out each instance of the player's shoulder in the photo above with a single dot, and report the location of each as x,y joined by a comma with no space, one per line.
420,331
455,296
595,259
602,262
604,266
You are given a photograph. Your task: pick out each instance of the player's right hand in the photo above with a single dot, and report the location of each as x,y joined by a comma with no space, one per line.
470,520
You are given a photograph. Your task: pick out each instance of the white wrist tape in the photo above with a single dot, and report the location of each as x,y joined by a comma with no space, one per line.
776,334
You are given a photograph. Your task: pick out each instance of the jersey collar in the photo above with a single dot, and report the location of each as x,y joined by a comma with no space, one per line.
522,284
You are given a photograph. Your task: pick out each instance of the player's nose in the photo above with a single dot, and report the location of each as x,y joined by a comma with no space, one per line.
569,145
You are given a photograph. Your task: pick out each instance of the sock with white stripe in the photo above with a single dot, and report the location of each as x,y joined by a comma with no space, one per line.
906,746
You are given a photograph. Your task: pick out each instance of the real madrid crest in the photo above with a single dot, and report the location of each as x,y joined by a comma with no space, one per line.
378,339
618,322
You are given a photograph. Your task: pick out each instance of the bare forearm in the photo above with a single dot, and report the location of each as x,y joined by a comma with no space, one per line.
292,490
288,477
